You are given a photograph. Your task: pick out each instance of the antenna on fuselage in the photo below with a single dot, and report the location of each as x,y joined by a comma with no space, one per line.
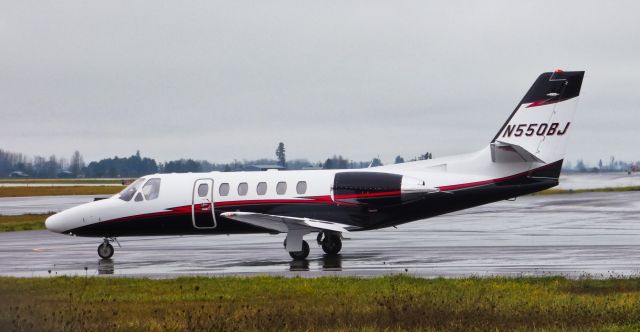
372,160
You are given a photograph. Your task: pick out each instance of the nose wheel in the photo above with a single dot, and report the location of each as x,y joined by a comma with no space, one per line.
105,250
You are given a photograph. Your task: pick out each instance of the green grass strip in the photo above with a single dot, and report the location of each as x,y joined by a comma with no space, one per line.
25,222
318,304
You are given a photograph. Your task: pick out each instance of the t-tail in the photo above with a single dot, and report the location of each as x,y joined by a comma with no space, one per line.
538,129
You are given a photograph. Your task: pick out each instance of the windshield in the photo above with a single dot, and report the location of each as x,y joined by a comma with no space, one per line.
151,189
130,190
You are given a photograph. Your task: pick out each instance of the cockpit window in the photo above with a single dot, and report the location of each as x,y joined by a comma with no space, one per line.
151,189
130,190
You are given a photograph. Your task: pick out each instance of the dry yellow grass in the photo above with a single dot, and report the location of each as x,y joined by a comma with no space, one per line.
65,181
554,191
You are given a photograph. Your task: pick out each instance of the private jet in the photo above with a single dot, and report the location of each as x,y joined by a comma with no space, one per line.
524,157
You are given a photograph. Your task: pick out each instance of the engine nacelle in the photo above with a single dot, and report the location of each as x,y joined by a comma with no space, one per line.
377,188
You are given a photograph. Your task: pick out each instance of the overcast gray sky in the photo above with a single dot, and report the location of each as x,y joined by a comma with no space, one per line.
229,80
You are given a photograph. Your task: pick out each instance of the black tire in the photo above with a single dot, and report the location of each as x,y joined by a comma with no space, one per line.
332,244
105,250
300,255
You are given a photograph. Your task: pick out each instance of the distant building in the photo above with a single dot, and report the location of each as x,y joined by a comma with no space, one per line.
65,174
257,168
18,174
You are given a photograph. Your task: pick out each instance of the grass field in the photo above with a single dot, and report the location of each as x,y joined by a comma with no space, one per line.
321,304
25,222
58,191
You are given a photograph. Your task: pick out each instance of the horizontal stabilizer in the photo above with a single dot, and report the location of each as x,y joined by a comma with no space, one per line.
506,153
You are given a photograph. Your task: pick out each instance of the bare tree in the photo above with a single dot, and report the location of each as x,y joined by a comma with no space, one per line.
76,164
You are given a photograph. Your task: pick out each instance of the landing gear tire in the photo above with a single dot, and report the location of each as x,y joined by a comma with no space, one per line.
105,250
300,255
332,244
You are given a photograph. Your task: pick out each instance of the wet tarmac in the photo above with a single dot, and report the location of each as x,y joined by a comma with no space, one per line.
573,235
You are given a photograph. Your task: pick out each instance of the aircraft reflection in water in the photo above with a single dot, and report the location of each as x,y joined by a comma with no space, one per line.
106,266
525,156
327,263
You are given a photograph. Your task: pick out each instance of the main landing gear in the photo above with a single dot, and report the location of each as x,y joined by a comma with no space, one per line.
105,250
302,254
330,242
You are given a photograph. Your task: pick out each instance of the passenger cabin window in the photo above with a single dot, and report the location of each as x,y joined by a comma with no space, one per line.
130,190
151,189
243,188
301,187
261,189
224,189
203,190
281,188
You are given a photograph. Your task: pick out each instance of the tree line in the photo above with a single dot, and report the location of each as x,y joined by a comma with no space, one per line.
19,165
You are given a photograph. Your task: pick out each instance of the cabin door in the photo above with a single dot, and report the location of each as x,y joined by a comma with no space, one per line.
202,212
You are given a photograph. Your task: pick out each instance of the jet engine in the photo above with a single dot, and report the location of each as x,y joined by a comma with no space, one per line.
377,188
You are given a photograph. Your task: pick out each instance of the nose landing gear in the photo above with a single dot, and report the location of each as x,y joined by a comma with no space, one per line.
105,249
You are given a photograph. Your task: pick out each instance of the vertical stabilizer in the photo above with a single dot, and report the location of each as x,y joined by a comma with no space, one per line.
538,128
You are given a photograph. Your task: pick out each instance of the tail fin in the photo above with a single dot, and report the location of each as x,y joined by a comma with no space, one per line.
538,128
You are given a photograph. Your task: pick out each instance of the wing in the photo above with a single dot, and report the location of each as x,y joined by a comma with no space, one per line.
295,227
286,224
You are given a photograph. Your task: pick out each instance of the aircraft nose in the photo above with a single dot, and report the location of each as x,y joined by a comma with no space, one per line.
54,223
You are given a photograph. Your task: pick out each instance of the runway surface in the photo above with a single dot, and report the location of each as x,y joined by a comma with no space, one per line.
573,235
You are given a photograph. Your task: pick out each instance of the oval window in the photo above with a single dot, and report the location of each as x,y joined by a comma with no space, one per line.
301,187
281,188
243,188
203,190
224,189
261,189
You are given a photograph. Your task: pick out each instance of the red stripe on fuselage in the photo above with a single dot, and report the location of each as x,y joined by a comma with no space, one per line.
367,195
187,209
